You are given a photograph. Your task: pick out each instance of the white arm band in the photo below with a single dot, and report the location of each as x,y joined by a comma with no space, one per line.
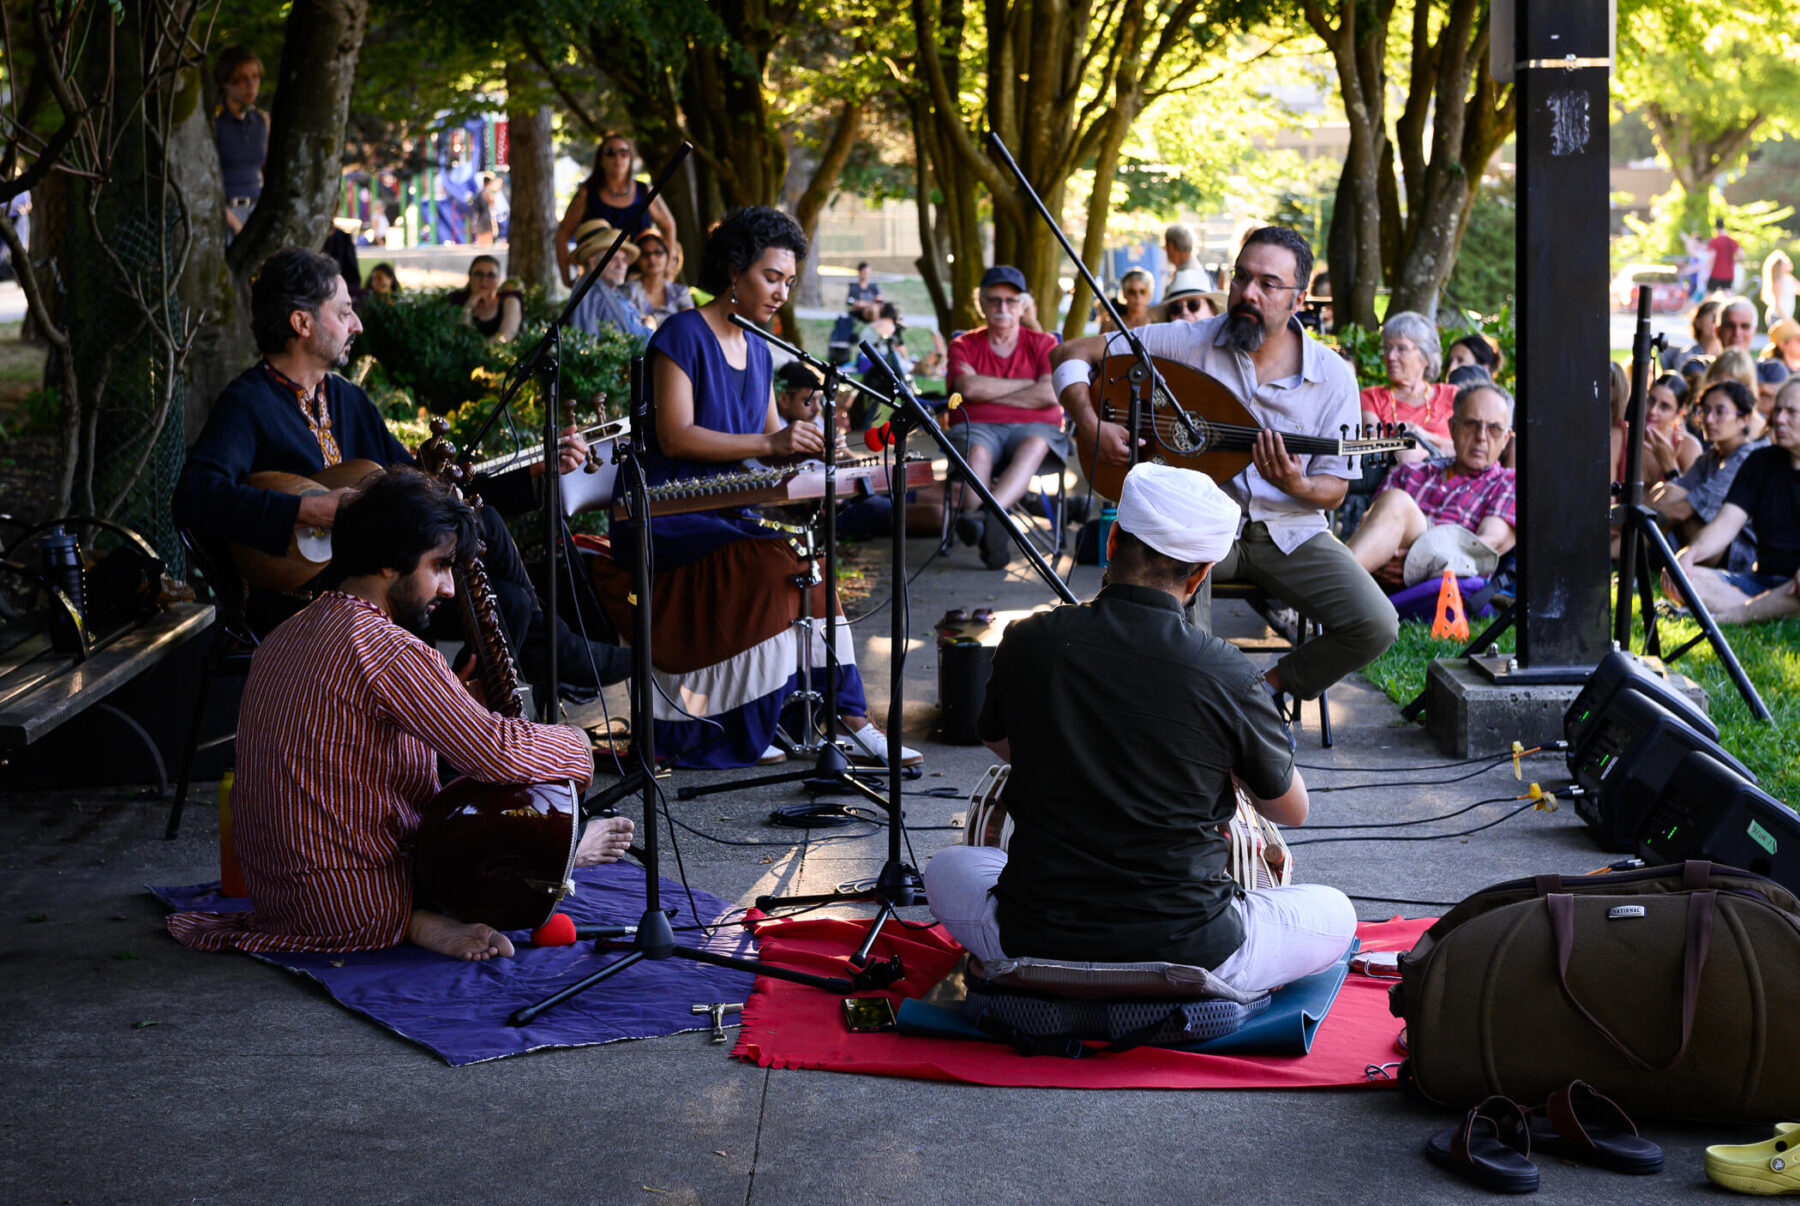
1069,372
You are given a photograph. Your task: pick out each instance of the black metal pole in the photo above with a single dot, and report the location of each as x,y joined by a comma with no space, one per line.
910,413
1149,383
1564,571
551,341
1634,474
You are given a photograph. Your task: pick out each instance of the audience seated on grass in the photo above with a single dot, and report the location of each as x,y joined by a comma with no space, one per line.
1670,449
1765,494
1470,489
1693,499
1735,364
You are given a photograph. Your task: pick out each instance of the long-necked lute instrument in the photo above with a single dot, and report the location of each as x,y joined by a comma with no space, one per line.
1225,430
495,853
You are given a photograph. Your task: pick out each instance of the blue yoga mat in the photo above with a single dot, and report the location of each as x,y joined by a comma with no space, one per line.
458,1010
1286,1027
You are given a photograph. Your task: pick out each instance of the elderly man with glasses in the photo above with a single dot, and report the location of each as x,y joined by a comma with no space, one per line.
1009,414
1290,383
1470,488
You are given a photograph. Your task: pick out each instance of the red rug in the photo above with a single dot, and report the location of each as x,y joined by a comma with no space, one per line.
792,1026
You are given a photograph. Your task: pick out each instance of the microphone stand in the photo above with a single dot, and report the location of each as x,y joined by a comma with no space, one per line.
832,769
899,885
654,938
545,360
1643,547
1146,382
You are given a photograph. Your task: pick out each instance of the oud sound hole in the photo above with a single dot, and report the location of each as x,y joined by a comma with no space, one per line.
1176,437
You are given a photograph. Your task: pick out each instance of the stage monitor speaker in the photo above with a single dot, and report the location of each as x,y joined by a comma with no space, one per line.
1632,748
1618,671
1707,810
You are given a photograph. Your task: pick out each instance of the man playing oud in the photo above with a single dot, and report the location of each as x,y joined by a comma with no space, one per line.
344,716
1289,382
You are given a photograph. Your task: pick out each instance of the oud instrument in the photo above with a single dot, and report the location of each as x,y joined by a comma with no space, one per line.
758,487
495,853
1224,429
309,549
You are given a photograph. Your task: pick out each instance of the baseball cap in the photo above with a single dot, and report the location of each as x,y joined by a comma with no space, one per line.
1004,274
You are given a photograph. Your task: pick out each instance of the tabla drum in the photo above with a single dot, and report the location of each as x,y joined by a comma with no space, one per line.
498,854
1260,858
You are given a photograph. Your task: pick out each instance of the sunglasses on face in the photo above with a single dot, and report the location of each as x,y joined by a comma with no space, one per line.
616,152
1187,305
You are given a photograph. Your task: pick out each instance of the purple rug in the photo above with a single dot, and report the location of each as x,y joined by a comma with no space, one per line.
459,1010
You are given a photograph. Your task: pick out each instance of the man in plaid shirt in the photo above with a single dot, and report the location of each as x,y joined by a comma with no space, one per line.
1471,489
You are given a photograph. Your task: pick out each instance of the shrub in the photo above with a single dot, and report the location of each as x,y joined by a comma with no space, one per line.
422,346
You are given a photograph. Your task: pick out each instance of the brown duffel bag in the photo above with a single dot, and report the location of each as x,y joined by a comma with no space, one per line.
1673,990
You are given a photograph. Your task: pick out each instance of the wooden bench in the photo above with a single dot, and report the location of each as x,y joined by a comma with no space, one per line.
40,688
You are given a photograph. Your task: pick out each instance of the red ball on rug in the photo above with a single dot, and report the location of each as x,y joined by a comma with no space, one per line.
558,931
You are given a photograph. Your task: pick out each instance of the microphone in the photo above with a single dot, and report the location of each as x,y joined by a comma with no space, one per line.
878,438
561,930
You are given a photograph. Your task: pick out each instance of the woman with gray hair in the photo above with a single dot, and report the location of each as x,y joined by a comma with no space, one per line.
1412,400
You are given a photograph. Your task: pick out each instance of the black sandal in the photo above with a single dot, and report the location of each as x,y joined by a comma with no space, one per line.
1500,1160
1584,1124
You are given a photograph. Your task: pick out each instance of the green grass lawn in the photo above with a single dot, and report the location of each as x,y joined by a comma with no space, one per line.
1769,653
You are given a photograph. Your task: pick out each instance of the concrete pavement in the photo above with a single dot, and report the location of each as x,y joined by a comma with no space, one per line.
138,1071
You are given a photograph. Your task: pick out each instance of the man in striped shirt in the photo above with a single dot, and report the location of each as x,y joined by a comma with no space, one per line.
344,716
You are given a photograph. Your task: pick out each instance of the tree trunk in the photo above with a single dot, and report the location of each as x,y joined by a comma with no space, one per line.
224,347
304,170
531,238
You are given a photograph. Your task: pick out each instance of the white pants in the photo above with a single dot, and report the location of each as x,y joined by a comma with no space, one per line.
1289,933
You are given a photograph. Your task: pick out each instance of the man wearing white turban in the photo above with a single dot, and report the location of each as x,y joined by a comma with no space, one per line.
1289,382
1127,729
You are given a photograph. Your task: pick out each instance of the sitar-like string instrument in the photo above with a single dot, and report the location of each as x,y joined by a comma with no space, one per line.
496,853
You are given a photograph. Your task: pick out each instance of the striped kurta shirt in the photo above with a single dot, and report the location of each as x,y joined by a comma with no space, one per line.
343,718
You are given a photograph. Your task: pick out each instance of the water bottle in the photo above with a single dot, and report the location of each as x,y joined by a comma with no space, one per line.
1107,515
59,559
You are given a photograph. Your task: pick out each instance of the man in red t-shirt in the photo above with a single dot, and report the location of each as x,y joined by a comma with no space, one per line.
1009,413
1724,250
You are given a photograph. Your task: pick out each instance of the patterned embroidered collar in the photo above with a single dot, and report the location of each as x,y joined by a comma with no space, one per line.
313,408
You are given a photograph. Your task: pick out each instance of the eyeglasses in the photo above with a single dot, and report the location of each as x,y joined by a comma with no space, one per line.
1492,431
995,301
1187,305
1268,284
616,152
483,274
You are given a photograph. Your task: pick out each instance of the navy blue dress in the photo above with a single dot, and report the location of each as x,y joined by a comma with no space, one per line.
724,604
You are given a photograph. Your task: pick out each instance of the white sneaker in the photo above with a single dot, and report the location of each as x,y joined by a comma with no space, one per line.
771,756
870,744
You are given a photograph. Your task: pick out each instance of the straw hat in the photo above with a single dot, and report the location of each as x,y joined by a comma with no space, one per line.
1452,547
1189,282
1783,330
596,235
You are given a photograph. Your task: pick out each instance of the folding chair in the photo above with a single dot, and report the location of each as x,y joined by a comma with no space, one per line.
1261,603
233,642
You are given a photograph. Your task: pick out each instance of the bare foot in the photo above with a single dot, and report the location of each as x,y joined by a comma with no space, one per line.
436,932
604,841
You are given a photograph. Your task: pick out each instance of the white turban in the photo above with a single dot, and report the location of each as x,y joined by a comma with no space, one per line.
1178,512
